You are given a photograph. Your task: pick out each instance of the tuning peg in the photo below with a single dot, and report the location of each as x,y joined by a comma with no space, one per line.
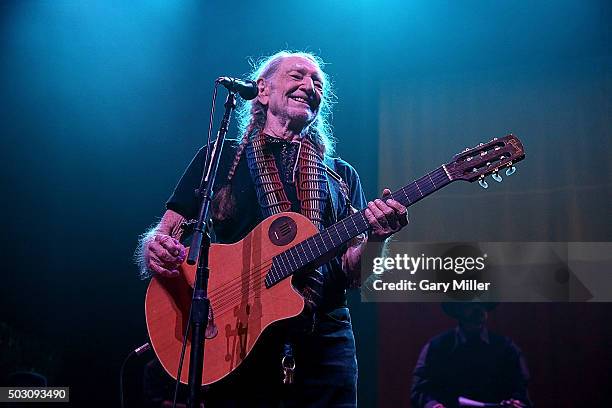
497,177
483,183
510,171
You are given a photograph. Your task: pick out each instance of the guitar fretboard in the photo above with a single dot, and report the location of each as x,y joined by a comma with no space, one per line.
307,252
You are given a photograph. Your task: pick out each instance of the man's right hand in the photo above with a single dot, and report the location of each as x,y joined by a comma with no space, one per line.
163,255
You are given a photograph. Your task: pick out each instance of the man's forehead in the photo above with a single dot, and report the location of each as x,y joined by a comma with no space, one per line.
300,63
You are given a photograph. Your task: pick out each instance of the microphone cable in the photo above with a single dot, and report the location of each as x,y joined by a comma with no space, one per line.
136,352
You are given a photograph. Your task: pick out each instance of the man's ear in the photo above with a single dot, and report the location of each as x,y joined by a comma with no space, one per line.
264,91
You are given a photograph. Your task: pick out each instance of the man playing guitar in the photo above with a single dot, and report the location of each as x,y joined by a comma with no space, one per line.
283,162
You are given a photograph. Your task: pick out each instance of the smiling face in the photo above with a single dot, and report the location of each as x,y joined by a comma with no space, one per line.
293,93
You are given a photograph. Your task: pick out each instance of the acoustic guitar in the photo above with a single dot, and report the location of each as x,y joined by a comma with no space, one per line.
248,286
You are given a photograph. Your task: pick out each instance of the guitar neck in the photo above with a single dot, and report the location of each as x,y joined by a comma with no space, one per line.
329,240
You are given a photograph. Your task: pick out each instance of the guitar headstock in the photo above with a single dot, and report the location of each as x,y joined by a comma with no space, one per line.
485,159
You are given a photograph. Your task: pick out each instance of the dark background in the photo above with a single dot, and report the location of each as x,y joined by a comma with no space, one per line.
105,102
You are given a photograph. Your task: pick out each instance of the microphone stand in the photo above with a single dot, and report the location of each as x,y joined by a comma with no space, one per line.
199,249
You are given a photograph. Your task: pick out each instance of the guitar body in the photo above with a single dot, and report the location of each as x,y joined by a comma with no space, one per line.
242,307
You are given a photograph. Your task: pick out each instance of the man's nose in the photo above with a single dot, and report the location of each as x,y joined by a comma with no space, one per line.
308,84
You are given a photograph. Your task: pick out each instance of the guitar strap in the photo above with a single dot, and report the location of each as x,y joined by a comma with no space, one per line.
307,171
336,186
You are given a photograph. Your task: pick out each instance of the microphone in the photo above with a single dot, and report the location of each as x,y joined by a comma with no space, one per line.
245,88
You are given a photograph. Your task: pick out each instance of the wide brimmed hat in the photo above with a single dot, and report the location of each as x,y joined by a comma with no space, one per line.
453,308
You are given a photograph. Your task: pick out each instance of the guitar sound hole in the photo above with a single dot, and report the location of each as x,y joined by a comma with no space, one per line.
282,231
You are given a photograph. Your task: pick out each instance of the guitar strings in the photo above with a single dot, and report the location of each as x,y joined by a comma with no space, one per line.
251,283
233,292
232,289
229,290
411,189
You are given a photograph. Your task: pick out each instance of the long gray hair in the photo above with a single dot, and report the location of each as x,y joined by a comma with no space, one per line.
252,114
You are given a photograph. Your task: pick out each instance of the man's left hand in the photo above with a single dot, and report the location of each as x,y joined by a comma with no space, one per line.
385,216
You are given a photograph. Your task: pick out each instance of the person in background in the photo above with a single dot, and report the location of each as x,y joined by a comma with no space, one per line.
471,362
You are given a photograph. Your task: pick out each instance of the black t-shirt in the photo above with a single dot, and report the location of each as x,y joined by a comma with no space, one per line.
245,213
